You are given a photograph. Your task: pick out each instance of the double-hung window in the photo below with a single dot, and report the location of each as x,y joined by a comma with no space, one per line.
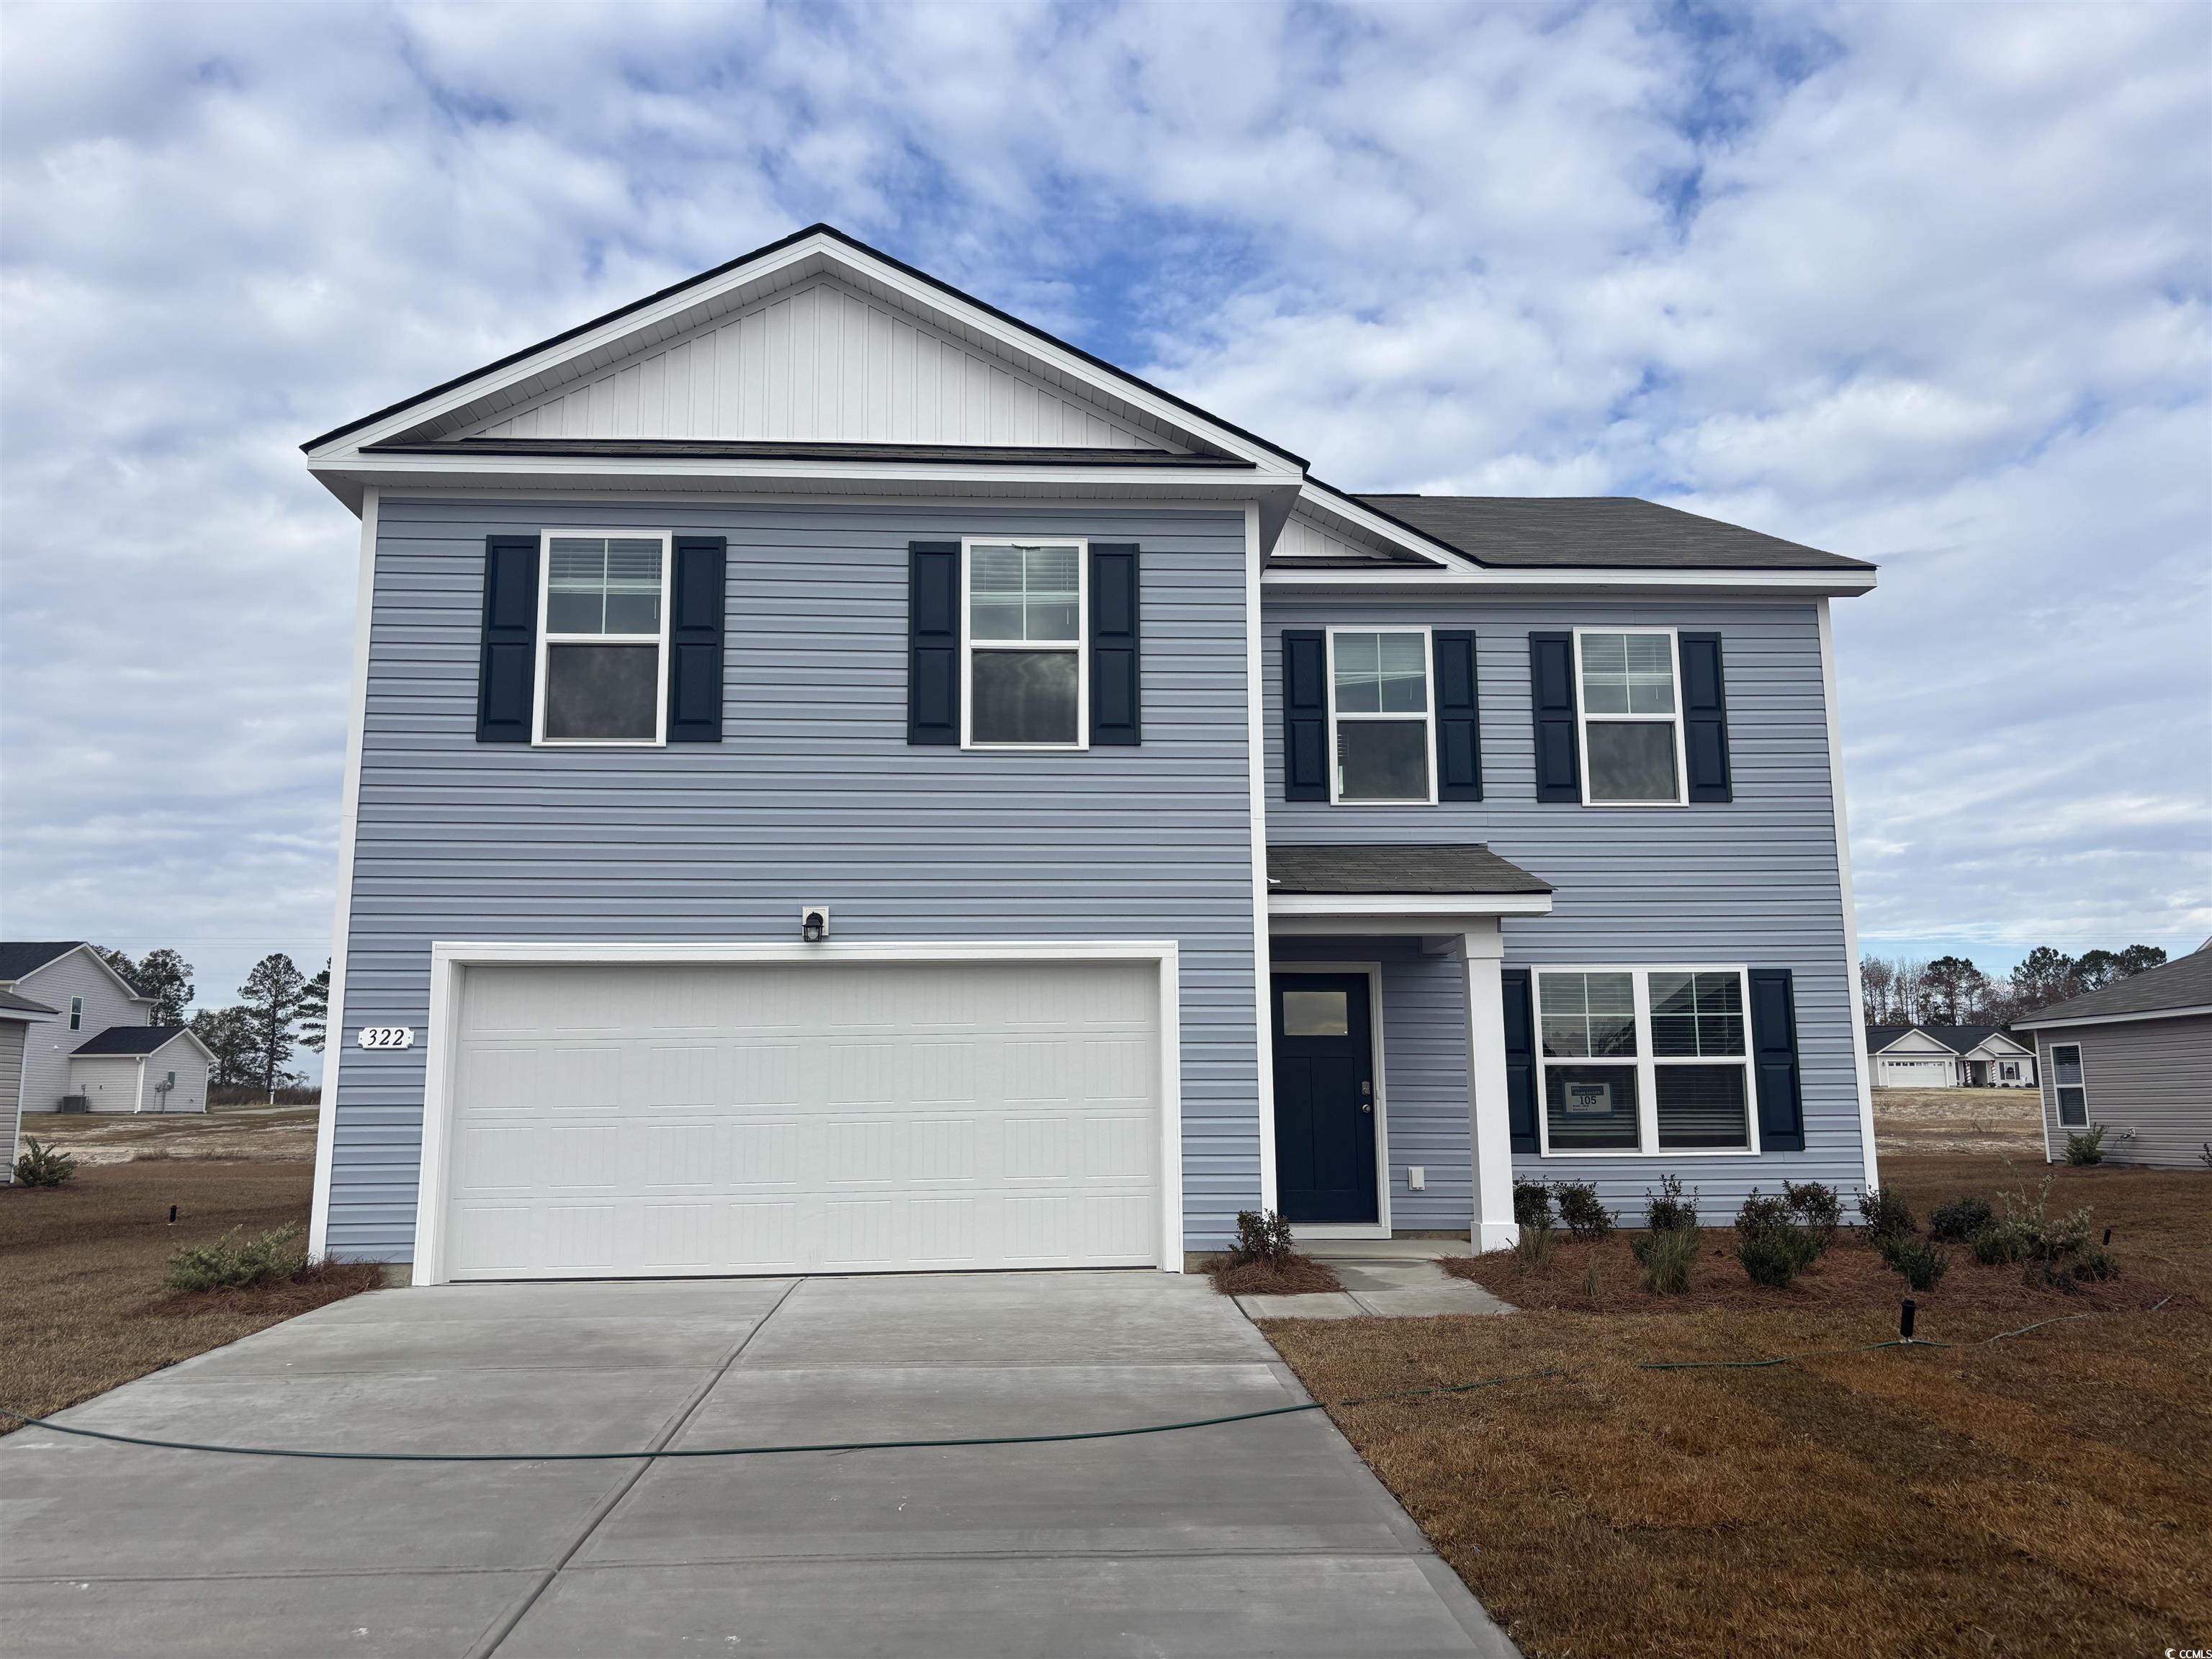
76,1013
1382,718
2073,1092
603,652
1631,718
1026,645
1644,1060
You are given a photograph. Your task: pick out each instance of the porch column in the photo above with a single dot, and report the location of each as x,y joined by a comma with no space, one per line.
1489,1128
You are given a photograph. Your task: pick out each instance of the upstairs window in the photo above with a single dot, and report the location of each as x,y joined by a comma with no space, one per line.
1382,718
1639,1060
602,654
1025,645
76,1013
1631,720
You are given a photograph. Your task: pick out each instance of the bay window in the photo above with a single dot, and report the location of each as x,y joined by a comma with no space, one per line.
1644,1061
1025,644
602,654
1382,717
1631,719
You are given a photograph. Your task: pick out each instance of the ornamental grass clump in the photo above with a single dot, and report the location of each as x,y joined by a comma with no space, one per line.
1666,1256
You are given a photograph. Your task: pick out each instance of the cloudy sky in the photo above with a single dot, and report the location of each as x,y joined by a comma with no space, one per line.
1927,284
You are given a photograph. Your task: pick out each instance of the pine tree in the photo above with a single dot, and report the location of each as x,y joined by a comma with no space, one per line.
315,1010
270,1000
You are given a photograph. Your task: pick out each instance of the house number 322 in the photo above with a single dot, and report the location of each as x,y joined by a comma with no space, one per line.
387,1037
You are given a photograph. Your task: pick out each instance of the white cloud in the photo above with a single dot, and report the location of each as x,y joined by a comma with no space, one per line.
1927,284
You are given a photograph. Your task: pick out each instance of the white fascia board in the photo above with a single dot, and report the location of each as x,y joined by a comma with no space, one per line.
2112,1019
1459,906
819,253
1322,502
1405,580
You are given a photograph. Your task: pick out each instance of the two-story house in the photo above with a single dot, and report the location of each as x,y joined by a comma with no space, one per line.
841,780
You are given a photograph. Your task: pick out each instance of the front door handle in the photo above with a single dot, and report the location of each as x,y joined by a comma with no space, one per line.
1366,1097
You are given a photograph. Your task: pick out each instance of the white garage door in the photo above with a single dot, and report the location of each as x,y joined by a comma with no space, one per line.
610,1120
1916,1073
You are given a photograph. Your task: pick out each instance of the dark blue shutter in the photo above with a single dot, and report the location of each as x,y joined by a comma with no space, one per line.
1774,1059
694,639
1520,1058
1552,705
1305,714
1459,719
1704,718
1116,671
507,670
933,658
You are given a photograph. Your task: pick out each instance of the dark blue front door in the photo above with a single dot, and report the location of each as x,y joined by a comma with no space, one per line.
1324,1099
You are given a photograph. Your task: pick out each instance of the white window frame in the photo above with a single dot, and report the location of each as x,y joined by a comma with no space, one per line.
1582,718
1429,718
547,638
970,645
1646,1063
2057,1107
76,1014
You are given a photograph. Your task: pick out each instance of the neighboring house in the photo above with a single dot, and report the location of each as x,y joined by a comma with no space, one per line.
2136,1058
19,1015
89,998
143,1068
841,780
1949,1057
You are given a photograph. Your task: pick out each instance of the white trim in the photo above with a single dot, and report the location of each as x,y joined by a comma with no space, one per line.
1490,1224
547,639
1839,813
1584,717
25,1017
1316,499
1645,1062
130,991
970,645
326,1116
1256,776
1380,1227
450,958
2192,1012
1380,717
1409,904
1838,584
2057,1107
74,1015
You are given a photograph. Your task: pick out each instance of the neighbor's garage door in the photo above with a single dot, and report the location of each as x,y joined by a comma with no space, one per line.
832,1117
1916,1073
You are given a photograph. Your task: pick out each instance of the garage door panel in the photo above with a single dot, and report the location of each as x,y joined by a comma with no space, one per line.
728,1119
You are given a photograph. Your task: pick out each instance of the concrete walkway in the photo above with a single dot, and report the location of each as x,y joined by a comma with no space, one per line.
1264,1537
1393,1277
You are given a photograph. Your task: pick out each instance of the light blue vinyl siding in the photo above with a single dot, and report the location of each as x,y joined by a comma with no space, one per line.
814,795
1753,882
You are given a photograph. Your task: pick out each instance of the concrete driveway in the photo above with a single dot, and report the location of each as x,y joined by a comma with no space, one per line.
1267,1537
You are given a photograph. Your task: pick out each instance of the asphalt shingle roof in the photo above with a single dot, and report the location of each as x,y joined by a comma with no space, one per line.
1618,531
1467,868
129,1040
12,1004
2184,984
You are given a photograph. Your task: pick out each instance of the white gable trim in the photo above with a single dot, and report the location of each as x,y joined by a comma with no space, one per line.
97,960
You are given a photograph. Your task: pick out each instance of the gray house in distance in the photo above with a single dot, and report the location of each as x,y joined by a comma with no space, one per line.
2136,1058
840,780
88,998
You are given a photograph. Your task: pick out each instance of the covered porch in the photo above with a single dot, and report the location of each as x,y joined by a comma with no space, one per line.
1391,1079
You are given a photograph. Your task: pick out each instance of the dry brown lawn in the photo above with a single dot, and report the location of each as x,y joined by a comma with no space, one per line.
82,1301
2048,1494
1958,1120
251,1136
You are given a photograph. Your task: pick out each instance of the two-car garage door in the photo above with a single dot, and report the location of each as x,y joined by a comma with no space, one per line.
831,1116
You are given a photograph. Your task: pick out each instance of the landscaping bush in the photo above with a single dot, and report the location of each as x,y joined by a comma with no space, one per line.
2001,1242
1960,1219
1669,1212
42,1166
1817,1207
1885,1213
2086,1148
231,1263
1666,1253
1534,1247
1921,1263
1585,1217
1772,1245
1532,1203
1262,1236
2094,1261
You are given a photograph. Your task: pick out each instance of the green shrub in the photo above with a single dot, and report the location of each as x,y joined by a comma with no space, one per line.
1532,1203
2094,1261
1669,1212
1585,1217
2001,1242
1533,1247
1816,1207
2086,1148
1261,1236
1666,1254
42,1166
231,1263
1960,1219
1885,1213
1772,1245
1921,1263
